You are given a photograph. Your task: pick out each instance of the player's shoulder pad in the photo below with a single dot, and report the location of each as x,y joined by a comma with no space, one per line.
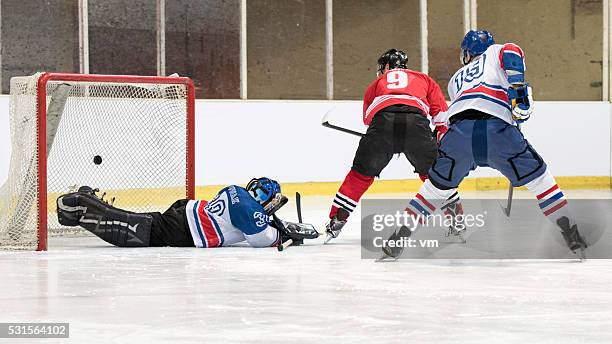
513,48
245,212
512,60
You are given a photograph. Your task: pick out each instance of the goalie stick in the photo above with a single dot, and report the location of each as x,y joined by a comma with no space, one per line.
298,205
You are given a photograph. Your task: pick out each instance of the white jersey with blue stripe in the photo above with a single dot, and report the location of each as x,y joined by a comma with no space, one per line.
483,84
231,217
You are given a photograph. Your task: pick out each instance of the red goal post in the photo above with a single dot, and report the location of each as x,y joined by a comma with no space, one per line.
117,114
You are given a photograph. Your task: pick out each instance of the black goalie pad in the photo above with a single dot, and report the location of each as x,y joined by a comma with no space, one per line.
116,226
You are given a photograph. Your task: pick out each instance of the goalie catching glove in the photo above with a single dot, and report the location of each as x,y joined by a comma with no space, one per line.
294,231
522,102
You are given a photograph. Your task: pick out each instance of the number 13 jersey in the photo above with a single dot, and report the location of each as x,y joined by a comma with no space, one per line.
483,84
403,86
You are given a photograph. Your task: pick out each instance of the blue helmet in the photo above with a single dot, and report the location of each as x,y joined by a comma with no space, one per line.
263,189
475,43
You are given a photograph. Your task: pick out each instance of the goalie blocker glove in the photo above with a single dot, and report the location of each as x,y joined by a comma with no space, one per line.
115,226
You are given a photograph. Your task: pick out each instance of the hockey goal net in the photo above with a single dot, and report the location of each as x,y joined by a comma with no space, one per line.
130,136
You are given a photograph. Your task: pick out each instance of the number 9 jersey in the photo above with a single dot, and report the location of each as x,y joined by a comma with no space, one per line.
403,86
483,83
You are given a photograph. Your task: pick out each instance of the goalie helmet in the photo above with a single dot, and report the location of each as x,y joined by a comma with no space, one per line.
392,57
263,189
475,43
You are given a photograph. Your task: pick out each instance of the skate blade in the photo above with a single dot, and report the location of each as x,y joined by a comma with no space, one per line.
582,255
454,239
385,258
327,239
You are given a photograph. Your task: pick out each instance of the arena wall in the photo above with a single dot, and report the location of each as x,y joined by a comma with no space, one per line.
237,140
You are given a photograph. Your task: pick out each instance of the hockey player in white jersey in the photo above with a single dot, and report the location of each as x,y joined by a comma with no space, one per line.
489,97
235,215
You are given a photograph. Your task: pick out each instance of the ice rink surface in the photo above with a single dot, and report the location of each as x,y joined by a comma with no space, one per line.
307,294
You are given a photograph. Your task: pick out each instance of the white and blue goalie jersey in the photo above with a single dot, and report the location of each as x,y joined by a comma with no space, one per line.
231,217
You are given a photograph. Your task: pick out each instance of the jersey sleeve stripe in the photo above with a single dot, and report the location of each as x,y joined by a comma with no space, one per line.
218,230
194,223
210,234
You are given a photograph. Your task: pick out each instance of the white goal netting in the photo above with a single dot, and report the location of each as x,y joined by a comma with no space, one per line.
129,139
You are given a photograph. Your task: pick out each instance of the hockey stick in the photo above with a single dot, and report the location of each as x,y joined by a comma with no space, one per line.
284,245
508,206
344,130
325,123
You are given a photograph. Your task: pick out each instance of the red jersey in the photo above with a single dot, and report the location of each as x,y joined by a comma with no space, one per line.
403,86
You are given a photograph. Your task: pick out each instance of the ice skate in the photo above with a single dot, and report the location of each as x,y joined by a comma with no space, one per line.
572,237
393,253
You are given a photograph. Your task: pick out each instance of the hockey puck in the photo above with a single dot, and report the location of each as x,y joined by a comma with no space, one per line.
97,160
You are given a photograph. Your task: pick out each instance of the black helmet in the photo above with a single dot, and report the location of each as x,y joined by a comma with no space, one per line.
394,58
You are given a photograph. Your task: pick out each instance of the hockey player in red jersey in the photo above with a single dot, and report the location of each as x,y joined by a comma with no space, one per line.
396,107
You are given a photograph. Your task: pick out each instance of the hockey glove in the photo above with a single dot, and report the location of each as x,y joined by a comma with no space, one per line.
294,231
439,132
522,102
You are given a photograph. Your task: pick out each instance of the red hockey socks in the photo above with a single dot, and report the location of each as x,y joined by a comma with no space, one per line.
354,186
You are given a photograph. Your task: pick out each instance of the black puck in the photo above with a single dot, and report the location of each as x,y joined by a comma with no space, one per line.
97,160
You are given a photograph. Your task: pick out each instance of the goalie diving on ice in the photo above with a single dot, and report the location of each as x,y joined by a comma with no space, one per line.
234,215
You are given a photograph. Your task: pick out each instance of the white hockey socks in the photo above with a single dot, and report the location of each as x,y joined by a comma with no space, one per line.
551,199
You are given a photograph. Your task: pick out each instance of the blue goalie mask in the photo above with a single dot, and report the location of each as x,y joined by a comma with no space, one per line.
475,43
263,189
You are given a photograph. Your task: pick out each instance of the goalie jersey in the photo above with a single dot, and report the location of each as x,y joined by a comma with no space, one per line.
231,217
483,83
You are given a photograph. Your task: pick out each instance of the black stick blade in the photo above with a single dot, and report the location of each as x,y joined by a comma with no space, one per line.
298,204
